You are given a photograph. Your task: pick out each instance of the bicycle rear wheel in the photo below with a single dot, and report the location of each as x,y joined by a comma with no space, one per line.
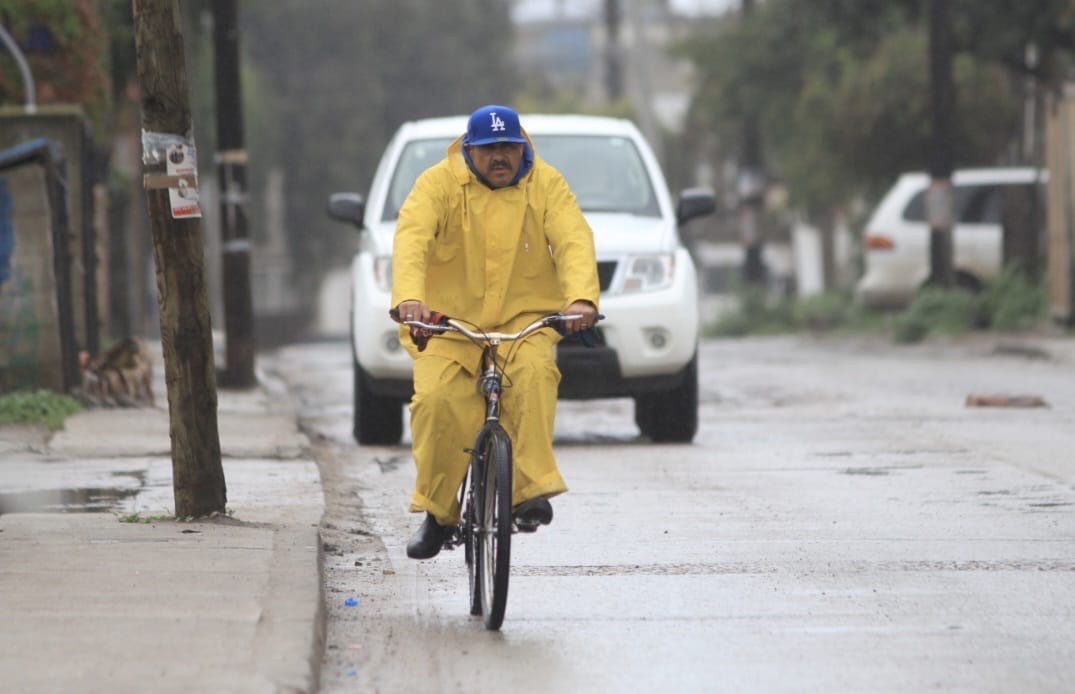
493,518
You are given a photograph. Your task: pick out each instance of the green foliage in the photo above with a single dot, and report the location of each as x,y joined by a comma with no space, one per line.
61,17
824,312
1015,302
139,518
757,313
73,69
840,88
338,77
1011,302
760,313
37,407
936,310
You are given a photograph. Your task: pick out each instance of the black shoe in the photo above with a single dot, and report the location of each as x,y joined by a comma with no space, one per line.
427,541
532,513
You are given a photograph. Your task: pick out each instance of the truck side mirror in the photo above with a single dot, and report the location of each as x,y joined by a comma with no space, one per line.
695,202
347,207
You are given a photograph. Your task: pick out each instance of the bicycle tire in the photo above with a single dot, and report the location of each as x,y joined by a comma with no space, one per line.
469,494
494,525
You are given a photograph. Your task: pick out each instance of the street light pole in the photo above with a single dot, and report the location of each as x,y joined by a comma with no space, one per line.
231,171
751,190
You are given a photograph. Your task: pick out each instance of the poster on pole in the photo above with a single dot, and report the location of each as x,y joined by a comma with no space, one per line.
183,164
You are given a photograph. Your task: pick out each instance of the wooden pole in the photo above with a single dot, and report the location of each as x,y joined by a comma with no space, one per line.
178,249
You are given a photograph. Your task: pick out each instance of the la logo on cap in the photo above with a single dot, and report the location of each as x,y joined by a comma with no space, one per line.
498,123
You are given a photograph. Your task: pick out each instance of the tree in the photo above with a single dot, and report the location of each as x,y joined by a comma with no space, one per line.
842,86
342,76
66,46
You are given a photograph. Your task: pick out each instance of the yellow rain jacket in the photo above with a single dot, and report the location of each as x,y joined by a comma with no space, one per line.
498,259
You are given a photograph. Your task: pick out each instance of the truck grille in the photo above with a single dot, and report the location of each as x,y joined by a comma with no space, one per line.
605,270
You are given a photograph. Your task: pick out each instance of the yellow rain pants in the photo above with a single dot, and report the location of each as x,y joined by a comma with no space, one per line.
448,411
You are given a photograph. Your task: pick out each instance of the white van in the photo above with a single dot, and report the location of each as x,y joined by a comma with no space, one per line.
647,346
896,241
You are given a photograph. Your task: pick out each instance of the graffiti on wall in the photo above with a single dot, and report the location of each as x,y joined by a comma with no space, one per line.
7,232
20,326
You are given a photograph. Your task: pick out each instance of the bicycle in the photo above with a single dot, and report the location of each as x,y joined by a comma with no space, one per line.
486,521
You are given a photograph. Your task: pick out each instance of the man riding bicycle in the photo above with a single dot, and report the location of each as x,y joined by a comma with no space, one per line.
491,234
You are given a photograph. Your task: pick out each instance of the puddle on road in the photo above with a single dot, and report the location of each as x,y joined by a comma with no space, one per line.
85,500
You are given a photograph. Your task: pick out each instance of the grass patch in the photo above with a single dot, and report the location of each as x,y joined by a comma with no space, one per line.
37,407
164,518
139,518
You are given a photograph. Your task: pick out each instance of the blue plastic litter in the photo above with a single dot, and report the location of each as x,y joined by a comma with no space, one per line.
351,672
351,602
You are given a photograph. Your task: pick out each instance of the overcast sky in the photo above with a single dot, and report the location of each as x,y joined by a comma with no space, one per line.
531,10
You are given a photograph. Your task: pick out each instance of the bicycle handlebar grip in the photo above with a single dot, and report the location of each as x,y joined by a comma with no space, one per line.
420,336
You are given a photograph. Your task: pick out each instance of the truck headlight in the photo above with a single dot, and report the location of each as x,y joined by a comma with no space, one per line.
646,273
382,272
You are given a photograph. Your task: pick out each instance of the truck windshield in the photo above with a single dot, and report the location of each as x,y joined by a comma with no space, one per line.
606,173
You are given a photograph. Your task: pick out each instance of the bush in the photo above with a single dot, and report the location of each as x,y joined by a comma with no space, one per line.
760,314
1015,302
757,314
37,407
1011,302
937,310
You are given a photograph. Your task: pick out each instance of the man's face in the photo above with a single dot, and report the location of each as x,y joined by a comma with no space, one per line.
498,162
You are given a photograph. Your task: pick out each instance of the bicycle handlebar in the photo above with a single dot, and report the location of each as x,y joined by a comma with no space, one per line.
453,325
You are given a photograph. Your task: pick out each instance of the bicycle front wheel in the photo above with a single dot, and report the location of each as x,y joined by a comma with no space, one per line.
493,520
469,494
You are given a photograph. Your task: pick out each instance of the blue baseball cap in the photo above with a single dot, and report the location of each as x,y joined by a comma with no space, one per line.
491,124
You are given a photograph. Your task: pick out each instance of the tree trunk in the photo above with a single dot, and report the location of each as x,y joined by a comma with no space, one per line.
178,249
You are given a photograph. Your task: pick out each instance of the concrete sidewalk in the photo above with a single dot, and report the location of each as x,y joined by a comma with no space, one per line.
101,592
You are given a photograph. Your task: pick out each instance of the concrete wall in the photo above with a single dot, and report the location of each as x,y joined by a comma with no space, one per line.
31,355
67,125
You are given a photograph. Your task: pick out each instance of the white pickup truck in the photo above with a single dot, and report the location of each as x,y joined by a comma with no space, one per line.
648,345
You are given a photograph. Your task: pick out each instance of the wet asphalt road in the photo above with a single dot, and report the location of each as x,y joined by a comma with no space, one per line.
842,523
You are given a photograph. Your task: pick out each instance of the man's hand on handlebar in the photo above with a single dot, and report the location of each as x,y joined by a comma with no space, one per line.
588,313
412,310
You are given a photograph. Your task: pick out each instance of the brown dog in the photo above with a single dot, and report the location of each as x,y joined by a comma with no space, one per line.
121,377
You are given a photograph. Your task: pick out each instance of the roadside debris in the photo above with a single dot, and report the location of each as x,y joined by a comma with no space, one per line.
1001,400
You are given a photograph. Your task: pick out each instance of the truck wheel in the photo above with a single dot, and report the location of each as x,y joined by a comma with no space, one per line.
671,416
378,421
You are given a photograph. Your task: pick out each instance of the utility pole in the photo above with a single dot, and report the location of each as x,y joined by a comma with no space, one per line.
940,201
751,190
613,51
231,170
186,336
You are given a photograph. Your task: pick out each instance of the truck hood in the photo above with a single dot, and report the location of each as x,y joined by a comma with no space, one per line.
614,235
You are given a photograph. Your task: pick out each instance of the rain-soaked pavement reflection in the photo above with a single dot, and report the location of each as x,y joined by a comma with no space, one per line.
86,500
87,486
